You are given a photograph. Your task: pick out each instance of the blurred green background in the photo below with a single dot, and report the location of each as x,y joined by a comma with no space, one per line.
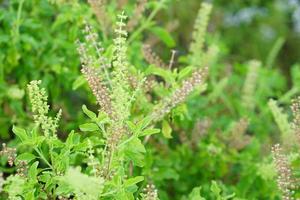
37,41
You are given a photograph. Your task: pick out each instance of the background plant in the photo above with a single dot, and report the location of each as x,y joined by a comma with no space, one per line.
220,131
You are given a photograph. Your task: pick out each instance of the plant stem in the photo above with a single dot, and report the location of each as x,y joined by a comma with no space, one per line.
147,22
43,157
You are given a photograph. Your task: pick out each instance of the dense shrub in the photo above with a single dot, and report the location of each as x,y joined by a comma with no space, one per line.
147,100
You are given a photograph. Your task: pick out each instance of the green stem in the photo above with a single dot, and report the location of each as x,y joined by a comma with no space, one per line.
147,23
18,21
43,157
274,52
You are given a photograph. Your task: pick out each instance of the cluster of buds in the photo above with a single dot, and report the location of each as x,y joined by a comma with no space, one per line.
10,153
199,131
237,138
137,14
22,168
187,87
98,7
183,137
152,58
92,161
91,50
92,65
250,84
295,107
1,181
40,108
147,85
285,181
150,83
105,170
99,90
200,28
180,94
150,192
63,198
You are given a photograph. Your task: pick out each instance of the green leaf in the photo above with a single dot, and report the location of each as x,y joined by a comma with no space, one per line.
89,113
85,186
196,194
89,127
216,190
145,122
134,151
14,92
32,173
102,118
165,74
149,131
21,133
73,139
133,181
185,72
78,82
164,36
26,157
133,128
166,129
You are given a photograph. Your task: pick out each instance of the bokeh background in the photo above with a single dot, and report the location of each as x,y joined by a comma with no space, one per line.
37,41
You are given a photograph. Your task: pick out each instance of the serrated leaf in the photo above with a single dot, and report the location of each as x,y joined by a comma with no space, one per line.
89,127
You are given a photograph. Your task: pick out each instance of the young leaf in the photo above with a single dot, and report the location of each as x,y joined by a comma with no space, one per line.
73,139
166,129
196,194
185,72
83,186
149,131
133,181
21,133
164,36
135,151
89,113
78,82
89,127
26,157
32,173
165,74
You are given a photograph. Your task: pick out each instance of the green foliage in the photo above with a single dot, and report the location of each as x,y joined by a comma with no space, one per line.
78,183
282,122
194,119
